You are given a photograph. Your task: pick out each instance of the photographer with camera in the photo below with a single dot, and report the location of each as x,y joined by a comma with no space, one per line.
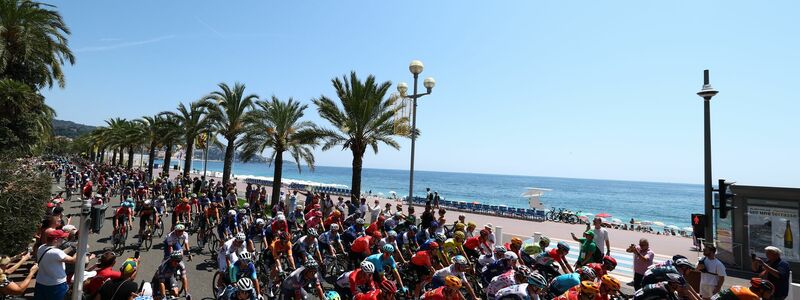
712,272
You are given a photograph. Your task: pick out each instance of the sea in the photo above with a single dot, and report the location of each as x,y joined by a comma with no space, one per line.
670,203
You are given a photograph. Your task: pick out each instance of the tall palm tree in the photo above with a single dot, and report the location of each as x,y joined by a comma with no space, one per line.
33,43
27,120
228,108
171,133
364,119
194,120
114,136
150,135
276,125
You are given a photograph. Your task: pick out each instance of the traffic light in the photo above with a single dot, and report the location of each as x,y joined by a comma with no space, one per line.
699,225
724,195
97,216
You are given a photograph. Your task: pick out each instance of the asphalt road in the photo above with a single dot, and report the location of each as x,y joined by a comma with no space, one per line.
200,270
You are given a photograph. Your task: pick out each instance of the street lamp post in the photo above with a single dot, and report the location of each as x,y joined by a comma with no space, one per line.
416,68
706,93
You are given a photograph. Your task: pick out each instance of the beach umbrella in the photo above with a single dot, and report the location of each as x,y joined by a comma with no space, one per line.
604,215
616,220
688,229
658,223
673,227
584,214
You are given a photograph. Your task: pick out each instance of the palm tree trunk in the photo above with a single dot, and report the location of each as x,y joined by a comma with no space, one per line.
228,165
167,160
130,157
121,156
187,162
102,155
151,157
358,162
114,157
276,177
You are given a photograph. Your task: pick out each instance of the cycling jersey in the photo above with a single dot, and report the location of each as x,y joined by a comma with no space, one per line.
598,269
438,294
255,232
496,268
183,208
235,272
361,245
371,295
500,282
380,261
122,212
166,271
736,293
450,246
564,282
227,253
146,212
421,258
279,248
328,237
357,285
440,275
515,292
296,281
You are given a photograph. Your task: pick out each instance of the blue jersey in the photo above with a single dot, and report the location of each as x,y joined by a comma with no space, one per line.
236,273
380,262
562,283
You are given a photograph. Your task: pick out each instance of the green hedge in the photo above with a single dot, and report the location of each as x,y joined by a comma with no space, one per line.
23,194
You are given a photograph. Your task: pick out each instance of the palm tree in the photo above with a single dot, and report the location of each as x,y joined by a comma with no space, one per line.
33,43
114,136
150,135
171,134
27,120
276,125
228,114
365,119
194,120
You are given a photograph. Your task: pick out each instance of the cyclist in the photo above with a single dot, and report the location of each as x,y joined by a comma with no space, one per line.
385,291
228,226
281,246
530,251
459,265
609,286
171,269
244,268
315,220
515,245
759,289
256,232
391,239
227,254
160,204
449,291
586,290
608,264
423,266
241,290
386,259
293,287
243,218
353,232
306,246
524,291
488,259
182,212
562,283
518,275
454,246
407,241
147,216
478,245
329,241
334,218
353,282
177,241
123,217
362,247
545,260
505,264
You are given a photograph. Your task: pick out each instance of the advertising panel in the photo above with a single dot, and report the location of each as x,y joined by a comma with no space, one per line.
774,226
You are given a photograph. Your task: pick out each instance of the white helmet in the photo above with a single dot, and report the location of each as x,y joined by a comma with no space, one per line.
246,205
260,221
161,197
244,284
245,256
334,227
147,202
510,255
367,267
240,237
231,212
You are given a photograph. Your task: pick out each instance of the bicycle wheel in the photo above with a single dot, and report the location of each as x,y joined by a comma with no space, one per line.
160,230
148,242
212,244
201,241
216,289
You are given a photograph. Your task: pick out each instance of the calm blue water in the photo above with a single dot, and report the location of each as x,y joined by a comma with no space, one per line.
666,202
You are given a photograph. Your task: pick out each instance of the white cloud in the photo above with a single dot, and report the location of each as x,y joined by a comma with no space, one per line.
124,45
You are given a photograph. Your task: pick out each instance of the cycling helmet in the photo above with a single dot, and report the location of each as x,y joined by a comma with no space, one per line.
545,240
459,227
367,267
360,221
246,205
440,237
388,287
459,260
675,278
459,235
761,284
388,248
452,281
147,202
471,224
312,232
300,207
241,237
499,249
433,245
530,249
589,287
516,241
180,227
377,235
412,228
537,280
391,233
244,284
336,213
332,295
281,218
563,246
161,197
176,255
283,235
656,291
311,264
232,213
260,221
523,270
334,227
193,195
510,255
683,262
586,273
434,224
244,255
610,282
242,211
609,262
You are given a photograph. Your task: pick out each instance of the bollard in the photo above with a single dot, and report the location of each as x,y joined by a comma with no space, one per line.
536,237
498,235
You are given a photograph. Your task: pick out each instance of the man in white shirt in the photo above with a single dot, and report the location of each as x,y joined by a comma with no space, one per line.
375,211
712,273
51,281
600,236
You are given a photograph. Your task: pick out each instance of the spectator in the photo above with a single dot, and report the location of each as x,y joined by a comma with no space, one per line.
642,259
436,199
427,216
712,272
122,288
8,287
51,282
105,270
775,270
374,211
428,196
589,252
600,236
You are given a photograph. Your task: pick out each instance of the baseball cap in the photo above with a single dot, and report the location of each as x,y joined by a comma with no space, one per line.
128,267
57,234
589,233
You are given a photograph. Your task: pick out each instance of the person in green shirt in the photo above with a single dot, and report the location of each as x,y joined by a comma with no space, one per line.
588,252
411,219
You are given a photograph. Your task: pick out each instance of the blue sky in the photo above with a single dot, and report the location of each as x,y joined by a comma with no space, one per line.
585,89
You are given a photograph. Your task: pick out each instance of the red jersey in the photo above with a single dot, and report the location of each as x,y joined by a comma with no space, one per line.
361,245
371,295
106,273
278,226
355,283
183,208
372,228
472,243
554,254
421,258
438,294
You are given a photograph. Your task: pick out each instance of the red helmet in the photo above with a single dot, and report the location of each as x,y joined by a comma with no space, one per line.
377,234
433,245
484,232
609,262
388,287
